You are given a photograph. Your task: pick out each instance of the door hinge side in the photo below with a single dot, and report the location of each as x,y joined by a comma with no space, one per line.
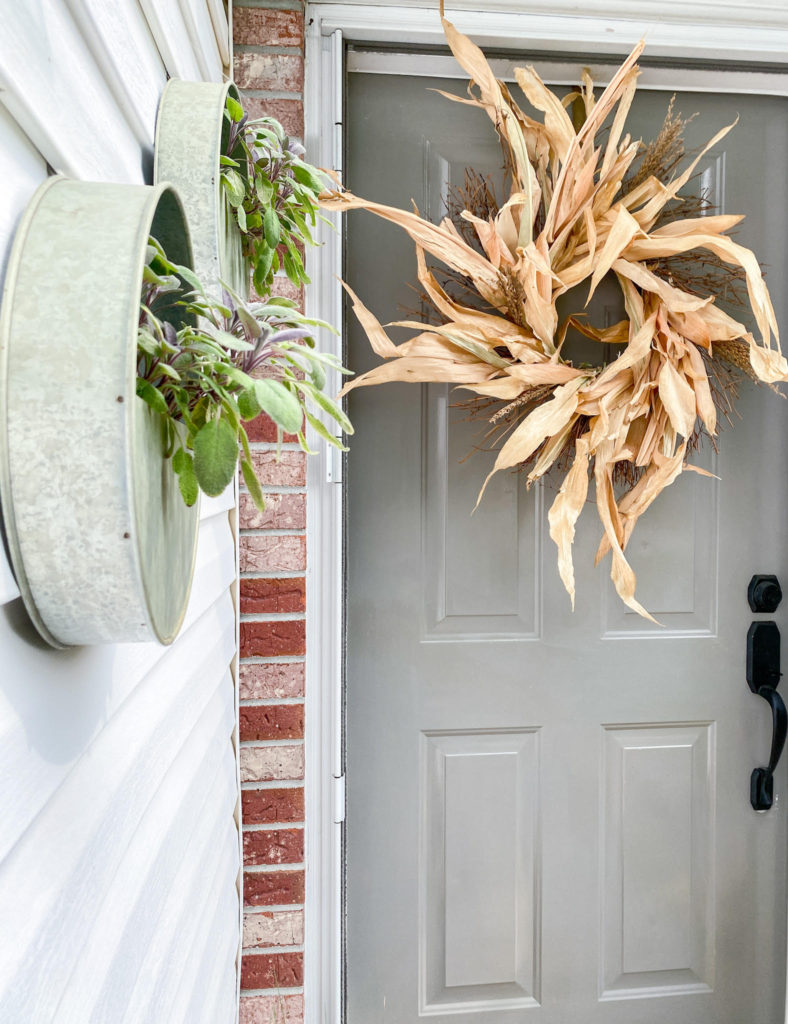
339,799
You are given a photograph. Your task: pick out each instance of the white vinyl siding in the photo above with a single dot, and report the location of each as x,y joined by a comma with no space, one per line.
119,852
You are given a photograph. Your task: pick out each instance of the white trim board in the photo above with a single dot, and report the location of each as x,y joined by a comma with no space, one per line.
768,14
681,31
718,32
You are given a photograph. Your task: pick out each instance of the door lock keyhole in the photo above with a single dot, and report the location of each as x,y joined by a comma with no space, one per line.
764,593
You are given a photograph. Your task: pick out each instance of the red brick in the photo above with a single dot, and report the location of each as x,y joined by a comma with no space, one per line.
282,512
284,287
275,71
272,970
264,429
263,596
271,721
268,806
276,639
255,26
274,1009
289,113
272,888
261,682
262,553
274,846
285,469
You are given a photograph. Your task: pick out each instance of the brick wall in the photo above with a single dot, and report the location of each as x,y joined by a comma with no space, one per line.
269,71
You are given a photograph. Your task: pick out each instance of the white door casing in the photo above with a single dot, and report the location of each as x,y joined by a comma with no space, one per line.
703,34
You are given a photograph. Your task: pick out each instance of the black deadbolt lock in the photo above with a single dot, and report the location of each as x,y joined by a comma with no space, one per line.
764,593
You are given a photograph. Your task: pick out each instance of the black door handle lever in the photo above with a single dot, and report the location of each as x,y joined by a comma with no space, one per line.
762,779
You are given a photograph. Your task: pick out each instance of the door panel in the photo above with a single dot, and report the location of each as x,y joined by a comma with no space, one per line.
548,812
480,575
480,901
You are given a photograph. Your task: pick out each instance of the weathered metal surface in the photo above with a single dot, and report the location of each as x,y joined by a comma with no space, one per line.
189,131
102,545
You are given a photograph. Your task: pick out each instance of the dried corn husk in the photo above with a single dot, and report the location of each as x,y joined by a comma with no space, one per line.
643,409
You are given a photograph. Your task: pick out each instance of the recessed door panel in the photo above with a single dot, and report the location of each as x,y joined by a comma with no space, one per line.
481,569
480,915
658,828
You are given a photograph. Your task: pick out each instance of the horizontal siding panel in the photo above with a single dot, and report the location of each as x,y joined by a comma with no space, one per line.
199,782
221,992
53,703
22,169
171,35
8,588
52,883
203,38
221,28
121,44
210,990
215,569
202,980
214,506
180,916
170,999
69,113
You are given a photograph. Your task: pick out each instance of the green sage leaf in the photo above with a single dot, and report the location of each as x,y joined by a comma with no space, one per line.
148,393
253,485
215,456
272,228
280,403
234,109
248,406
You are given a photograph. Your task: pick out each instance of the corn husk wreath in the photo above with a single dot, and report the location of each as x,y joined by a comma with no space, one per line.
570,218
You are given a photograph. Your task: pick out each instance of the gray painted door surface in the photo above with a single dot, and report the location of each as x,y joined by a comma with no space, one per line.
548,814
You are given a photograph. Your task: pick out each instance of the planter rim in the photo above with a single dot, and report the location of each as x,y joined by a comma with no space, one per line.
218,91
6,494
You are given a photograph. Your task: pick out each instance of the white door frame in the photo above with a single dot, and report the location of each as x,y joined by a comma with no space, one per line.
743,47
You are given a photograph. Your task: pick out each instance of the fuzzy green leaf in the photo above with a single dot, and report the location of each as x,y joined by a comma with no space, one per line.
327,404
325,433
280,403
234,109
183,464
271,228
253,485
148,393
215,456
248,406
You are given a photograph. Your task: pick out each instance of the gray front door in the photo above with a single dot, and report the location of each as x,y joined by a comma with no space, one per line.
548,813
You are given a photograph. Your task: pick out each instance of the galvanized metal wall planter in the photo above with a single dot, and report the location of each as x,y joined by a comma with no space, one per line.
101,543
191,133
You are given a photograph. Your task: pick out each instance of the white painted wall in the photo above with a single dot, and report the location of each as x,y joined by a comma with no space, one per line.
119,851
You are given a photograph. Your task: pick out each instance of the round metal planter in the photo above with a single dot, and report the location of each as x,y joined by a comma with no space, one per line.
100,540
191,134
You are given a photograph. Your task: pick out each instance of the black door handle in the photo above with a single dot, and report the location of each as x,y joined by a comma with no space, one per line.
763,678
762,779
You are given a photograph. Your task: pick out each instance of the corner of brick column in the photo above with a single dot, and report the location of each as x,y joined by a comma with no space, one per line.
269,72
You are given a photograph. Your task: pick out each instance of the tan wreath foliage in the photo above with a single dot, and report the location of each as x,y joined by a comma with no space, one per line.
568,220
